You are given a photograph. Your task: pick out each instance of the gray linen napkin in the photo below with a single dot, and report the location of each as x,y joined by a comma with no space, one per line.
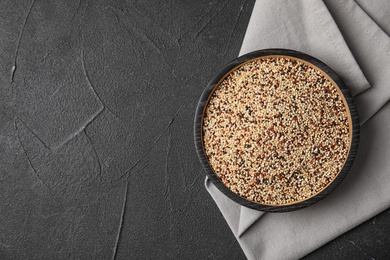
361,195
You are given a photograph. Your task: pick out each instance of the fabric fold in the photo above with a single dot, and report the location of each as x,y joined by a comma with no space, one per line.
247,218
378,11
370,46
305,26
229,209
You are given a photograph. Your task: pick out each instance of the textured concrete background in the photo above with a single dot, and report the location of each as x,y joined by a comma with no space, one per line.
96,145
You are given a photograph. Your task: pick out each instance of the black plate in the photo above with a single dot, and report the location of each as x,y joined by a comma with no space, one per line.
199,122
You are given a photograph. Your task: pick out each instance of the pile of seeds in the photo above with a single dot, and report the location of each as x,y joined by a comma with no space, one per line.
276,131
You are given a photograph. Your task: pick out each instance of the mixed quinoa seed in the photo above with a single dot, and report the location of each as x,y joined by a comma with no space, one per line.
276,131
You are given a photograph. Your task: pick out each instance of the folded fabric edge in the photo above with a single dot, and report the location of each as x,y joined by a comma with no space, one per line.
369,9
248,217
229,209
359,82
355,24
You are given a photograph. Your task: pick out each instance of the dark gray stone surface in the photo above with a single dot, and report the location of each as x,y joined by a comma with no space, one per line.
96,145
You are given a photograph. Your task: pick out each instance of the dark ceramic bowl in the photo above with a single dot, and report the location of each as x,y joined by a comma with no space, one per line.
353,122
